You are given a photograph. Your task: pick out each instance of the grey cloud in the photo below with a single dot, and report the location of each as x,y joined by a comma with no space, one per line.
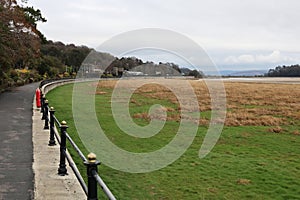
251,25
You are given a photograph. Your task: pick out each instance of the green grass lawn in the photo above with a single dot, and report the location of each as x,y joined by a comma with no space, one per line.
248,162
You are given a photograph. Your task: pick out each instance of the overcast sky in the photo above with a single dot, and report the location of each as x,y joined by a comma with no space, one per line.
236,34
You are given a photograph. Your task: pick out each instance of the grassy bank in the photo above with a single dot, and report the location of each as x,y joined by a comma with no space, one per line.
253,159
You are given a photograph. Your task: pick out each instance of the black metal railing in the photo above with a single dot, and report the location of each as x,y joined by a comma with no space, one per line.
91,163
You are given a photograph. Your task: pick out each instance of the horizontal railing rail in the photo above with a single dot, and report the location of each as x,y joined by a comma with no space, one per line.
50,122
76,172
83,158
103,185
56,121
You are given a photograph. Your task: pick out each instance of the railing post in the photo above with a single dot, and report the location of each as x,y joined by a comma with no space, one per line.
46,126
52,138
62,170
42,102
43,107
92,165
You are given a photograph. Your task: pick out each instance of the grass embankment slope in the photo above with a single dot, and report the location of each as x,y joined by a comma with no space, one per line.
256,157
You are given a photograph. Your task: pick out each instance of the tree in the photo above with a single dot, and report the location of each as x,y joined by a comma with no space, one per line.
284,71
33,16
196,74
69,55
50,65
19,37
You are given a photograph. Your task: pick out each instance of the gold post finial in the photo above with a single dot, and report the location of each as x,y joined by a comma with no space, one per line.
64,123
51,108
92,157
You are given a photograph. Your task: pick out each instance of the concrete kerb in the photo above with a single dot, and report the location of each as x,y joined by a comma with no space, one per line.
47,183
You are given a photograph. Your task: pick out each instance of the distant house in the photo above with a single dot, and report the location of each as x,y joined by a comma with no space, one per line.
133,73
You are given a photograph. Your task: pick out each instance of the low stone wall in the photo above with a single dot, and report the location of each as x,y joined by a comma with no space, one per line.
50,86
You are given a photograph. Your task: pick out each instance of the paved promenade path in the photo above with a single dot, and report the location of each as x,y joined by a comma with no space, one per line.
16,154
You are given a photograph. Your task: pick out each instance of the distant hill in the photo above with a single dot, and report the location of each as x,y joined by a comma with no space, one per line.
238,73
249,73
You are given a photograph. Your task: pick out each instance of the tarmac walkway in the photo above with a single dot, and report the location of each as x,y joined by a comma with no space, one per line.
28,166
16,155
48,184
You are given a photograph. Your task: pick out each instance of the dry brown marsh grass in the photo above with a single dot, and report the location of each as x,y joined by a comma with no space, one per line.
263,104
